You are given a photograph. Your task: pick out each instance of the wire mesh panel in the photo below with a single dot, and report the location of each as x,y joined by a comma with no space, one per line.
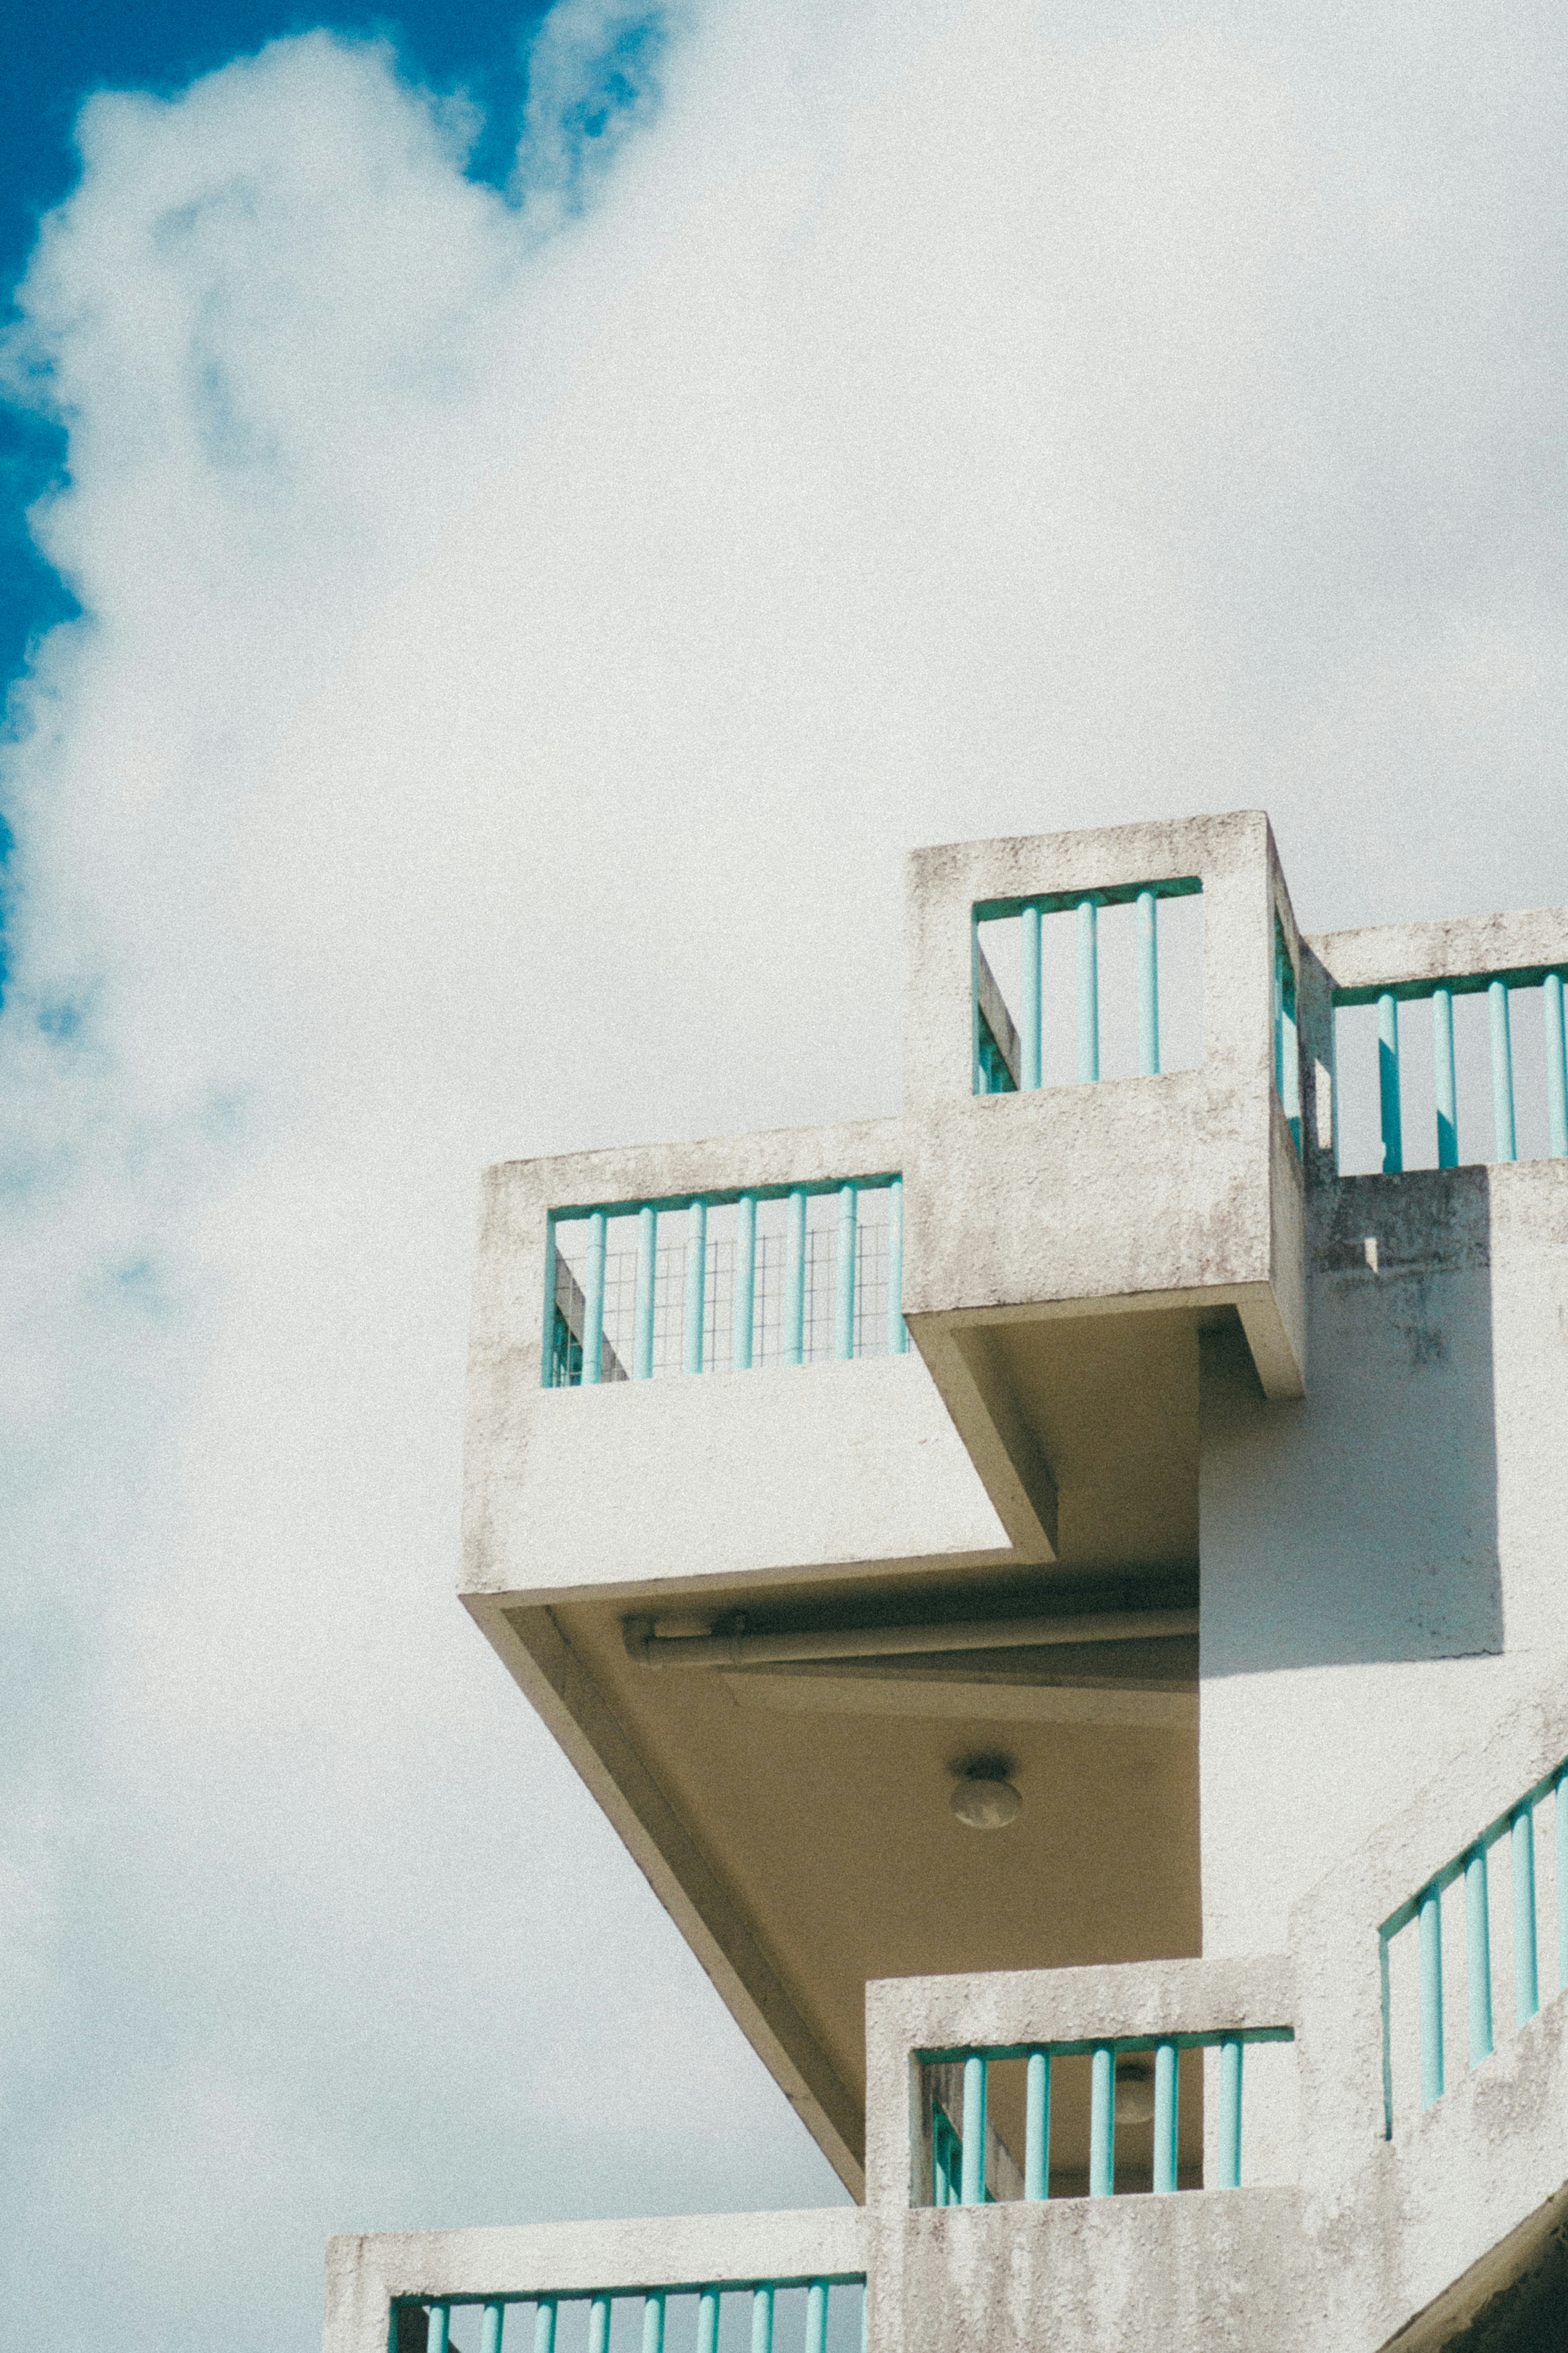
731,1283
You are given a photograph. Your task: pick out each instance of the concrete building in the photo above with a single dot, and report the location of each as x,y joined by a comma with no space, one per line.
1064,1596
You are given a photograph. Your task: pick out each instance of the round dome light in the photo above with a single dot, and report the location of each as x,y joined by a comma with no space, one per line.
986,1801
1134,2093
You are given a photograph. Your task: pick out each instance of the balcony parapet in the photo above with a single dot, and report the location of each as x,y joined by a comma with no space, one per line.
500,2290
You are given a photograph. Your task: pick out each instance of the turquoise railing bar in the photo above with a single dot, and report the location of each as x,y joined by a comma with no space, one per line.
1517,1825
1088,988
746,1298
1165,2088
1102,2120
1499,989
1556,1066
1029,990
972,2189
647,1274
1430,1917
1229,2151
1444,1089
1037,2125
593,1301
1287,1041
898,1330
1388,1085
1502,1070
806,2329
1478,1957
695,1284
794,1281
1148,986
844,1276
701,1283
957,2163
946,2159
1526,1988
993,1073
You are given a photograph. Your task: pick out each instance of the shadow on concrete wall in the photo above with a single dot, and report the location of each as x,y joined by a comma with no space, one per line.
1361,1524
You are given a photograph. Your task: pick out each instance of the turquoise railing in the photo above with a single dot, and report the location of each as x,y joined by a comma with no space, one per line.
1424,1913
965,2154
1012,1060
1499,988
830,2318
776,1274
1287,1039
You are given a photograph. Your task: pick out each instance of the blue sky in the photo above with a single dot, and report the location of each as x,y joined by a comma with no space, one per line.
56,57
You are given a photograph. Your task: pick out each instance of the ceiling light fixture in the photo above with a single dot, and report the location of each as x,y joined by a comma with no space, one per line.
984,1798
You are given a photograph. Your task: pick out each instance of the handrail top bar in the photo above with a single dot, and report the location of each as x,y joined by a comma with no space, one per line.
746,2285
1114,895
1468,984
1210,2040
724,1196
1499,1827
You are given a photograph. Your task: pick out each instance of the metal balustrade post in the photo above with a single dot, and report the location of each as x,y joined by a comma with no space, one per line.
1556,1066
1165,2116
1148,985
844,1275
548,1378
1102,2120
1478,1956
1526,1990
746,1282
1502,1070
653,2322
593,1300
1429,1935
494,2324
1029,989
1230,2112
816,2318
1559,1812
973,2187
1388,1084
763,2318
898,1331
599,2324
696,1283
1443,1078
440,2328
544,2325
1088,988
707,2321
795,1279
647,1282
1037,2125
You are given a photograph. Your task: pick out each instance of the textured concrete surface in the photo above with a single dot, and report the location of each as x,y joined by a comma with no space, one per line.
1154,1191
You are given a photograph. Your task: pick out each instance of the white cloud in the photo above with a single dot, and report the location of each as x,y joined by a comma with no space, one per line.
515,663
